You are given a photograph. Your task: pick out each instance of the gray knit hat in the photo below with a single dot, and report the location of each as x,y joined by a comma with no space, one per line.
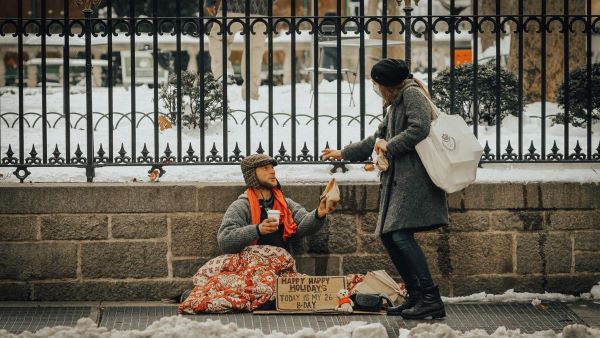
249,165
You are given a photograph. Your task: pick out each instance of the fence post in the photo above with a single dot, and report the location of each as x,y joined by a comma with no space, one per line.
89,163
407,28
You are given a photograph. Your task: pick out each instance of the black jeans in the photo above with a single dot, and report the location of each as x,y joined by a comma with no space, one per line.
408,258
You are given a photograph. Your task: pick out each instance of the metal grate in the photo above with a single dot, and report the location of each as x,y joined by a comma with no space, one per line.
459,316
19,319
134,317
525,317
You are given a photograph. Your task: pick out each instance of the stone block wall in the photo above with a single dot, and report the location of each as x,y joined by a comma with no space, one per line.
145,241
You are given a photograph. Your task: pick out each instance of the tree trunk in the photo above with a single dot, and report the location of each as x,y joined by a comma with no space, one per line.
554,58
488,7
373,54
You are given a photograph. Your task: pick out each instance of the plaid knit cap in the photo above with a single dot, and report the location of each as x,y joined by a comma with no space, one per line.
249,165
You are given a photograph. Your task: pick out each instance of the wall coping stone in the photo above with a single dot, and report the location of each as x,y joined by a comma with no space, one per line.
129,197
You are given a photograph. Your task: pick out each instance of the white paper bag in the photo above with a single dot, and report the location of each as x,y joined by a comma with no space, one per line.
380,282
450,153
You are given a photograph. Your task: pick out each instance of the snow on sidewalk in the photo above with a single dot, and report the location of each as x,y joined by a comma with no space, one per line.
512,296
178,326
444,331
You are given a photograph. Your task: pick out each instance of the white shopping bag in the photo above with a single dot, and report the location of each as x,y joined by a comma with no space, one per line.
379,282
451,152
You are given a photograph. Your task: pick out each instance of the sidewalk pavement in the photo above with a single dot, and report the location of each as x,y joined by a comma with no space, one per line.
17,317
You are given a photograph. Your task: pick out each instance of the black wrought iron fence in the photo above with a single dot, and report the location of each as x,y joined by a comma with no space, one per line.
495,97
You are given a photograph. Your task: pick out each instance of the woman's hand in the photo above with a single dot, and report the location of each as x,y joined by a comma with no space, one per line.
331,154
381,145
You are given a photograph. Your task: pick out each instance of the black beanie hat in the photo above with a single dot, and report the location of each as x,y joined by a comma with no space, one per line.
390,72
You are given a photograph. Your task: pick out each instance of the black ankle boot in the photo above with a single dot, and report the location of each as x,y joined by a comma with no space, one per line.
430,306
410,301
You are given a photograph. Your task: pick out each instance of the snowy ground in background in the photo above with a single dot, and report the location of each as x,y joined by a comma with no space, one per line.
307,173
282,133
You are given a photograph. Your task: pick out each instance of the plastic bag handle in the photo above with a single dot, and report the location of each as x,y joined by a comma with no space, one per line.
435,112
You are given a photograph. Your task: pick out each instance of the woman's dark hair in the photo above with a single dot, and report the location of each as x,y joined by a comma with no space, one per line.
390,94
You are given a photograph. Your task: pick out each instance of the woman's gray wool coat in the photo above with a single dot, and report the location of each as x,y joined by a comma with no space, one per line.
409,199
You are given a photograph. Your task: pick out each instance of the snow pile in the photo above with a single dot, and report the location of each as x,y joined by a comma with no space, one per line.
536,302
512,296
442,330
178,326
529,172
595,292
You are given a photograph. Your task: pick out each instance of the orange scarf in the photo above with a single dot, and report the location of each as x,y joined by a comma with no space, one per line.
289,226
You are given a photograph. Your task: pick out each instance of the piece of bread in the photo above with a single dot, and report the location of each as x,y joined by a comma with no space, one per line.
381,161
332,191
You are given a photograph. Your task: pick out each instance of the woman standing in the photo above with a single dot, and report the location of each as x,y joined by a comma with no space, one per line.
409,202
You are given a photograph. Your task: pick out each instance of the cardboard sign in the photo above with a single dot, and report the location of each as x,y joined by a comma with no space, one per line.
309,293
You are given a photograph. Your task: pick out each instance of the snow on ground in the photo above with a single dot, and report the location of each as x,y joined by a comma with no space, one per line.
178,326
442,330
182,326
535,298
236,133
511,296
594,293
307,173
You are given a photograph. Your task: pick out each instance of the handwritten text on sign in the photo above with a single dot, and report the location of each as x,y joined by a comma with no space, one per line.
309,293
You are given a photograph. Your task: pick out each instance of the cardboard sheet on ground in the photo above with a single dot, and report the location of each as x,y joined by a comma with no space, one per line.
309,293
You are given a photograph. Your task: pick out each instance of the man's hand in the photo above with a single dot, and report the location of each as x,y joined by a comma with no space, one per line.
381,145
269,225
212,10
329,153
323,211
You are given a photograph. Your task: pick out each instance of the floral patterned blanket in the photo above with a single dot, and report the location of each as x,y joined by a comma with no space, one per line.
243,281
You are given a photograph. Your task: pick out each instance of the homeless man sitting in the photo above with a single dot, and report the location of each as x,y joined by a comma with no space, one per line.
245,222
244,277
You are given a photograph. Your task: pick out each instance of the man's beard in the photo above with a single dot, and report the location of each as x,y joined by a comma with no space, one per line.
267,184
